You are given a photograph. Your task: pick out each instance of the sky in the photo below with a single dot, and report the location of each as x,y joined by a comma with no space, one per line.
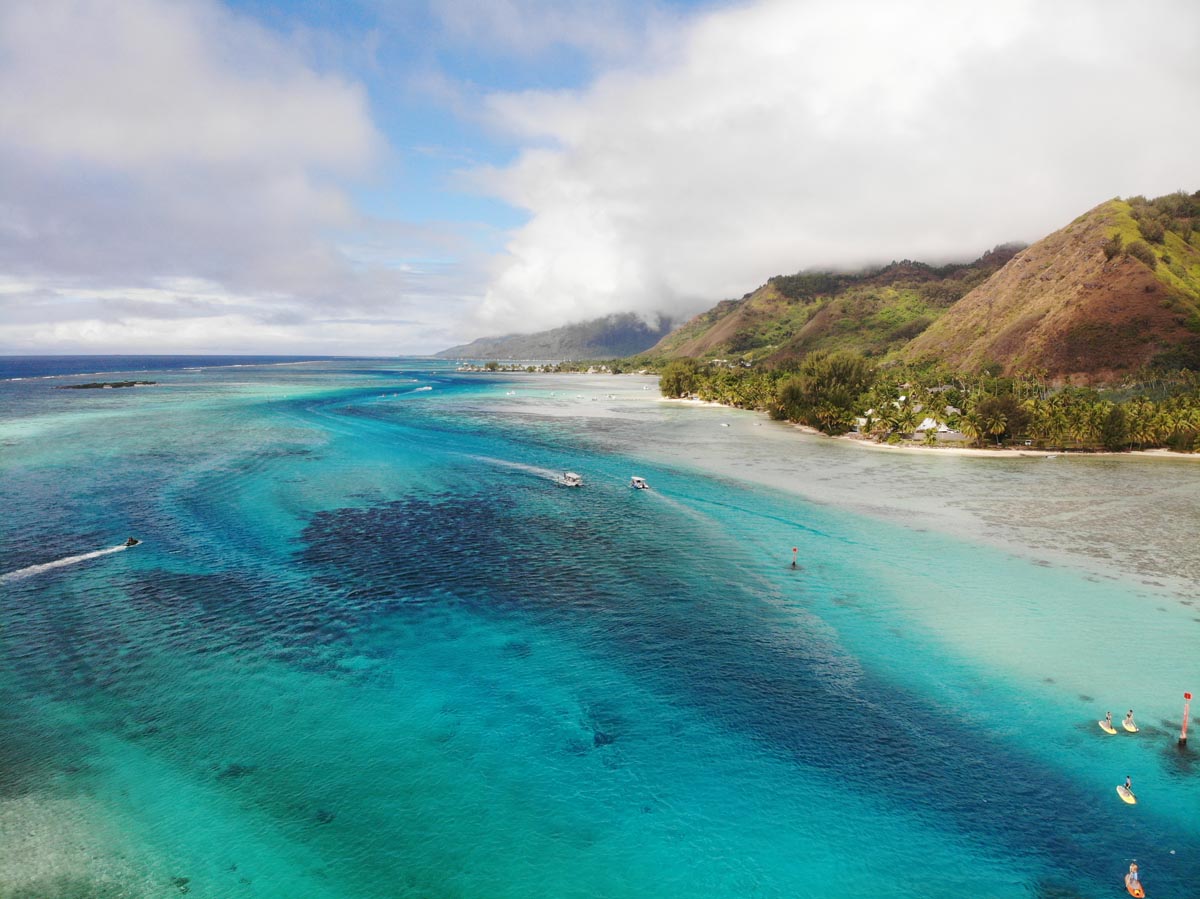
384,177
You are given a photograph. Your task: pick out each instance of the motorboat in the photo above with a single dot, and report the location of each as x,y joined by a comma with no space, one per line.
638,483
132,541
571,479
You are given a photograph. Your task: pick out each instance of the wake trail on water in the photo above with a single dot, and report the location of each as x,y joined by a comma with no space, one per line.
521,466
21,573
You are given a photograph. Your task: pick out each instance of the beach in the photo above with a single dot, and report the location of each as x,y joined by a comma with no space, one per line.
914,446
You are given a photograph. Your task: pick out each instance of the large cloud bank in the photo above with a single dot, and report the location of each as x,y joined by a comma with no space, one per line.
170,178
782,135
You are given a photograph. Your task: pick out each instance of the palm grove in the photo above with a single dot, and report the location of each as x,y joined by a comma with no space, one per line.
838,390
834,392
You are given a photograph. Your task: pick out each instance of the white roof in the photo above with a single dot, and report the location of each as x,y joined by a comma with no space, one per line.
931,424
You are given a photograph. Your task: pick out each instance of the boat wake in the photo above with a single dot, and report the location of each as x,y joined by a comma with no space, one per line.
21,573
521,466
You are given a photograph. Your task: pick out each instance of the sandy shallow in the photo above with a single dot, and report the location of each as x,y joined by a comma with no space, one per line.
1004,452
982,452
1129,516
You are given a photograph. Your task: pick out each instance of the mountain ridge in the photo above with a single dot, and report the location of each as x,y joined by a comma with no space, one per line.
873,311
1080,303
608,337
1115,291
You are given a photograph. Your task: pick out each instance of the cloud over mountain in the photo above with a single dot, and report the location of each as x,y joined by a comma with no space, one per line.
779,135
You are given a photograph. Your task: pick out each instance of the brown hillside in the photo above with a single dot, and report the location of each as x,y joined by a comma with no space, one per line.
873,312
718,329
1061,305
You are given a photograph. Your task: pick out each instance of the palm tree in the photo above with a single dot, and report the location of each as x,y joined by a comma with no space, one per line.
1058,426
878,426
1081,421
972,426
1142,430
995,424
1039,418
906,418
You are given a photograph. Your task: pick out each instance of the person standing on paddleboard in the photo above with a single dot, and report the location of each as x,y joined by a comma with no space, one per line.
1133,872
1128,784
1108,719
1129,720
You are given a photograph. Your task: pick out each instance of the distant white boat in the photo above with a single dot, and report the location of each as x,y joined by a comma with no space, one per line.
571,479
638,483
724,425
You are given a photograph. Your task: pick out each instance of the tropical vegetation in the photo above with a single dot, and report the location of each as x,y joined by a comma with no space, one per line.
839,392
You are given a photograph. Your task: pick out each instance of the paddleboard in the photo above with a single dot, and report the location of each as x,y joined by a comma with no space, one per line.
1134,888
1132,728
1106,727
1126,795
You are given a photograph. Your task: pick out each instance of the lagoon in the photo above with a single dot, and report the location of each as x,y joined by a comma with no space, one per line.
369,648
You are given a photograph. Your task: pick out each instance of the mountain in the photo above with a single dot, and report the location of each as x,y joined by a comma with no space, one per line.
1115,290
603,338
874,312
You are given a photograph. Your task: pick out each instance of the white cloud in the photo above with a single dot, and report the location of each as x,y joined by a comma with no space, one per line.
144,142
188,315
148,84
782,135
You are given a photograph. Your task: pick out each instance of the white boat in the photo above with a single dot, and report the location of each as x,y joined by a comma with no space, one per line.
638,483
571,479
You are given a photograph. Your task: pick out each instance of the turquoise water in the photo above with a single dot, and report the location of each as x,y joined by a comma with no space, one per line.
368,648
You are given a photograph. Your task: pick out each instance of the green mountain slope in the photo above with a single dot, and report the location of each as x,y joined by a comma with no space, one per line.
874,313
1115,290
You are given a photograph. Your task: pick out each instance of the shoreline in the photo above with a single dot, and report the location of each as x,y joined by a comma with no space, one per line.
993,451
913,447
908,486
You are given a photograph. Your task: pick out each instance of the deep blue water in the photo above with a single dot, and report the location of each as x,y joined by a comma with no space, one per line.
369,648
47,366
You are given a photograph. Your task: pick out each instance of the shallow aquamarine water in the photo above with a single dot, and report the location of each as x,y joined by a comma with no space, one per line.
368,648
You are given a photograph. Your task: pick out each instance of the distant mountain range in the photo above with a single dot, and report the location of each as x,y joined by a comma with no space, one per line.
1116,290
611,337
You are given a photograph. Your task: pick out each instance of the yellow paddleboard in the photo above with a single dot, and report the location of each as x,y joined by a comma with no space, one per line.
1106,727
1126,795
1132,728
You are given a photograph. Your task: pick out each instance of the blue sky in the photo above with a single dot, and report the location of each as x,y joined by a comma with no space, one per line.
426,79
395,177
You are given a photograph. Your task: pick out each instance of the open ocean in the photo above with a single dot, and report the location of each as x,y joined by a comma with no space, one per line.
369,648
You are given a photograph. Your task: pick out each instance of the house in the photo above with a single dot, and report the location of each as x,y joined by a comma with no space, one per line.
944,431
